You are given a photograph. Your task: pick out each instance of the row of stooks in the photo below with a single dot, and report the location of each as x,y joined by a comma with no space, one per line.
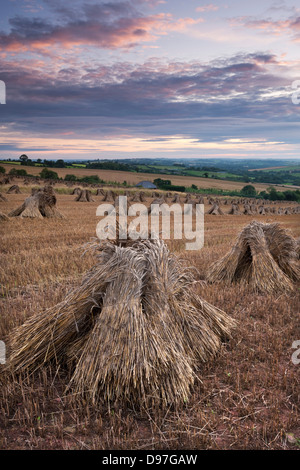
175,197
42,203
135,331
32,180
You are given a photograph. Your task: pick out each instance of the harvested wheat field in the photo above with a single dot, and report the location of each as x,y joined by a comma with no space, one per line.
234,386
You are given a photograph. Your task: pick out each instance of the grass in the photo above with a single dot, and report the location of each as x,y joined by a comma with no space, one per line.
247,399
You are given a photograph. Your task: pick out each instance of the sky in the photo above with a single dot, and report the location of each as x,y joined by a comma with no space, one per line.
150,78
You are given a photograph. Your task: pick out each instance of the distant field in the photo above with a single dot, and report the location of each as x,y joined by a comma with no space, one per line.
278,168
134,178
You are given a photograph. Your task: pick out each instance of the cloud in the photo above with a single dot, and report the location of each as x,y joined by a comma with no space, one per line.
245,84
108,25
208,7
290,26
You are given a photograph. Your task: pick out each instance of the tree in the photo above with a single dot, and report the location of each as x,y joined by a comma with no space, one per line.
274,195
23,158
248,191
59,164
264,195
2,169
48,163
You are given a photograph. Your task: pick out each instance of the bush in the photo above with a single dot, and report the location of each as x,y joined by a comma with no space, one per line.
291,195
171,187
92,179
160,183
70,178
48,174
16,172
2,169
248,191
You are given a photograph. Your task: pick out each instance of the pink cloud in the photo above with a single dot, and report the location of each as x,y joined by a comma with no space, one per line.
269,26
208,7
123,32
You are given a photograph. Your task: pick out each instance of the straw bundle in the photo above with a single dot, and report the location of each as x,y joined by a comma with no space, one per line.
40,204
76,191
100,192
85,195
261,210
247,209
298,247
176,199
253,208
14,189
138,197
158,201
3,217
188,198
133,331
215,210
264,256
109,196
116,205
2,198
200,200
234,210
7,179
283,248
191,207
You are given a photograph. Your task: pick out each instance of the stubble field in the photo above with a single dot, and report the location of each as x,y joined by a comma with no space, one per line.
133,178
248,397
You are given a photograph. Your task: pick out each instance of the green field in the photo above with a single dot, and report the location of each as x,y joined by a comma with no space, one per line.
281,168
